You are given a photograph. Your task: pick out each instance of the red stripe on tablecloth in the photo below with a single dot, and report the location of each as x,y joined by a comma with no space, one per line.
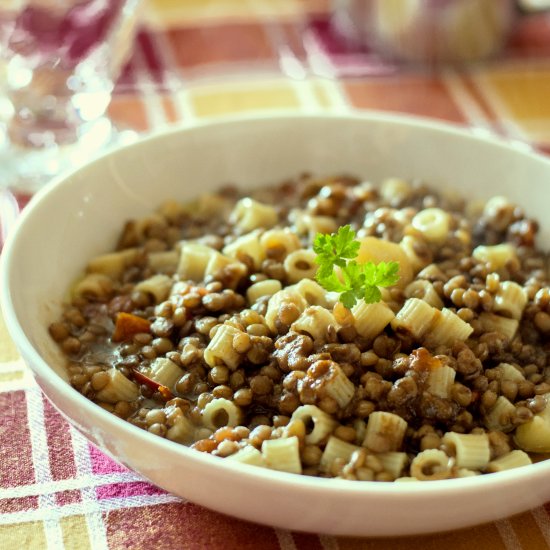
304,541
131,489
60,447
153,60
530,38
21,504
425,95
143,528
219,44
72,496
16,469
102,464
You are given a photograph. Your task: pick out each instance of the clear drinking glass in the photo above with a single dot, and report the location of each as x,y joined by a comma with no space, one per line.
60,59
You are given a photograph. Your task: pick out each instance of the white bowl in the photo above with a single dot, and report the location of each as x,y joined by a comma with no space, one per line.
79,216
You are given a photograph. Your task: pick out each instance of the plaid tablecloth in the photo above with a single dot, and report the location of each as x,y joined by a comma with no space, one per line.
209,58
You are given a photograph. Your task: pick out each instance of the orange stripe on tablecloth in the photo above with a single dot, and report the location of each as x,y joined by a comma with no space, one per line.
183,525
75,533
169,109
27,536
418,95
248,96
128,112
16,469
528,532
219,43
60,448
483,537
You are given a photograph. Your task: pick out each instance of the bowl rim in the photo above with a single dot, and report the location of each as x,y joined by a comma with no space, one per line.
326,486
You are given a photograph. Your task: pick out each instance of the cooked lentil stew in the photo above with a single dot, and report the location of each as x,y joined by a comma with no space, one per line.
206,327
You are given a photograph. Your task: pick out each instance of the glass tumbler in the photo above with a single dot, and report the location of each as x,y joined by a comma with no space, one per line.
60,59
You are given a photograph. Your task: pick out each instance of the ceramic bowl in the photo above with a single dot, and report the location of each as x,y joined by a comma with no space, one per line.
79,216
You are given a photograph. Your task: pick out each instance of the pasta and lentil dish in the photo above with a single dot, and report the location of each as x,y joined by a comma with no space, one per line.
206,326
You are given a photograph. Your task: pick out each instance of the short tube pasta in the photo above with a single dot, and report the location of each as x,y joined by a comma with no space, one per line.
283,454
247,245
471,451
220,350
249,214
118,388
415,317
431,464
513,459
248,455
323,423
157,286
385,432
221,412
315,321
336,449
433,223
300,264
510,300
371,319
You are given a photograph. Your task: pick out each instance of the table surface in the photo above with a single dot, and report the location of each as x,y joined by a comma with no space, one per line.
197,59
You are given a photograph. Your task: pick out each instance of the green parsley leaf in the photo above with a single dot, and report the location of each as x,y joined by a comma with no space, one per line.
354,281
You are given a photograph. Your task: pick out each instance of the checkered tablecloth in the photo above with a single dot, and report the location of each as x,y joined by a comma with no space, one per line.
196,59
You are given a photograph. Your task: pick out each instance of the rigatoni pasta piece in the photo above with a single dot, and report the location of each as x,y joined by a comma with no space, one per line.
371,319
165,372
220,349
513,459
336,448
309,224
471,451
113,264
164,262
424,290
534,435
221,412
500,416
94,285
283,454
300,264
393,462
269,287
338,386
431,464
323,423
440,381
313,292
248,245
315,320
385,432
510,300
446,328
193,261
157,286
283,240
288,295
248,455
249,214
230,269
496,256
118,388
433,223
496,323
183,431
510,372
394,190
379,250
415,317
417,251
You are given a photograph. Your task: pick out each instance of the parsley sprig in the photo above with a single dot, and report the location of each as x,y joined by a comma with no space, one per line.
358,280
